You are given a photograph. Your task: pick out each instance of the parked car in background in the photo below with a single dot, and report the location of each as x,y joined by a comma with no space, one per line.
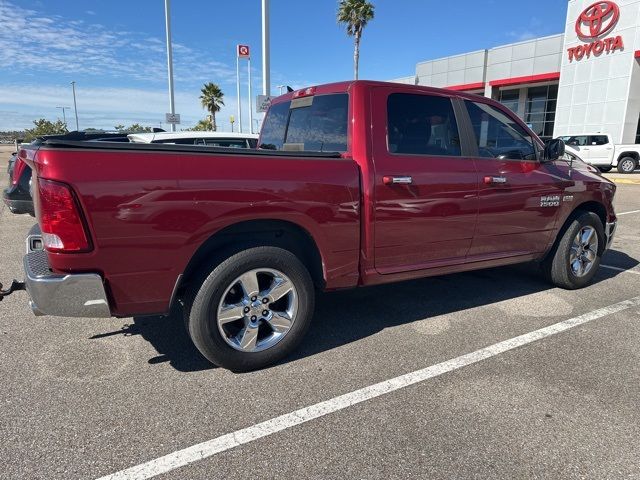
354,184
12,161
17,196
210,139
598,149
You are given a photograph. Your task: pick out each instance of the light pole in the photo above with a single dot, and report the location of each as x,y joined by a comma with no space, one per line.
238,88
75,105
281,87
266,73
64,116
250,100
167,19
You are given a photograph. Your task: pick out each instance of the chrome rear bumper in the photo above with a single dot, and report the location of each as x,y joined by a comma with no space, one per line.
70,295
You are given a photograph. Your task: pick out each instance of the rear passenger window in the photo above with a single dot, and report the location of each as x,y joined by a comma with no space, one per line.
422,125
599,140
498,135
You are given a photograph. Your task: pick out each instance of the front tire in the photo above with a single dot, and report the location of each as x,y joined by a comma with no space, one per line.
605,169
252,310
575,258
627,165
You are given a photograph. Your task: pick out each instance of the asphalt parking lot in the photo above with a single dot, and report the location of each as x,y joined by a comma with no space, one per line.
88,398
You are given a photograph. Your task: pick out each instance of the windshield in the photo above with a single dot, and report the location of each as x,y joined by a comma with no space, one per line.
318,123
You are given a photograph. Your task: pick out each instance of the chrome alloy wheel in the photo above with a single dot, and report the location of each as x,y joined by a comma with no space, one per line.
628,165
584,250
257,310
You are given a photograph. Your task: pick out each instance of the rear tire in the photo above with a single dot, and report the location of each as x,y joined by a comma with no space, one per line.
575,257
627,165
605,169
254,339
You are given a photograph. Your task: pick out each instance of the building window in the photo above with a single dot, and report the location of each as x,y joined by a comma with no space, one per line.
540,111
510,99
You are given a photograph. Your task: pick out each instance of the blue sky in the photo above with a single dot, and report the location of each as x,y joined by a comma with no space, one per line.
115,51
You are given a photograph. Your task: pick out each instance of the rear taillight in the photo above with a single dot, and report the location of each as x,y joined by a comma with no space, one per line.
60,220
18,169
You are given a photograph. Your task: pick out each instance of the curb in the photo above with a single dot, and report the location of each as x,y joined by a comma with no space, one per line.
625,181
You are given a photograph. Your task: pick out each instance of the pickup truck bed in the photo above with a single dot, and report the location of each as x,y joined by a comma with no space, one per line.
182,194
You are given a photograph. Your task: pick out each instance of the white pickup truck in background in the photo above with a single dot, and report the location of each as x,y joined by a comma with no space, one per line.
598,150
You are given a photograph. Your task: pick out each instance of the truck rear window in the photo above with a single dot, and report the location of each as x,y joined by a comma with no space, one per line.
317,124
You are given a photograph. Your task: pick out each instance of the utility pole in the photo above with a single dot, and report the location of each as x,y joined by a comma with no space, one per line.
266,72
75,105
167,20
64,116
238,91
250,100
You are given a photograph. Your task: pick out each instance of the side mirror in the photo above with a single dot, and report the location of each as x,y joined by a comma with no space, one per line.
553,150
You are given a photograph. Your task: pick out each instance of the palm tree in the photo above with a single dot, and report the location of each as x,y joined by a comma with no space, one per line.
355,14
212,100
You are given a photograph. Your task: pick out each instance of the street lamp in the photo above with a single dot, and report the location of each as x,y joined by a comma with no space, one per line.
266,74
167,19
75,105
64,116
281,87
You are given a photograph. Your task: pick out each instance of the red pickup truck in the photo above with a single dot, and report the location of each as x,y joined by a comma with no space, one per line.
353,184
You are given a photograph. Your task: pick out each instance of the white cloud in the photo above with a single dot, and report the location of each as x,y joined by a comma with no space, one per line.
47,51
30,41
522,36
104,107
532,31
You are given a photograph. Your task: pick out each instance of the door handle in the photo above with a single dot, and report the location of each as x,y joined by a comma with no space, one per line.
405,180
488,180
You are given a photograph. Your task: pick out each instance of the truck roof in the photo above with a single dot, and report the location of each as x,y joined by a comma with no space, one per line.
338,87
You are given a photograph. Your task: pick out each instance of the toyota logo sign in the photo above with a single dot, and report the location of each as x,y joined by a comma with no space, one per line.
597,19
593,24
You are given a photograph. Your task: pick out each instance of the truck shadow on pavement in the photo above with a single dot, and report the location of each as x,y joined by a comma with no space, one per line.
351,315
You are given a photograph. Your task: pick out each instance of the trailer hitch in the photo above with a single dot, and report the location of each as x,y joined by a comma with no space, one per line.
14,287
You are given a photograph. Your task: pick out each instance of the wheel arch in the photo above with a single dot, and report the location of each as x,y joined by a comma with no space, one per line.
589,206
246,234
631,153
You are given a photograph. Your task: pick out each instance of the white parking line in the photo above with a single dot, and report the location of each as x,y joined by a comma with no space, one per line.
623,270
226,442
628,213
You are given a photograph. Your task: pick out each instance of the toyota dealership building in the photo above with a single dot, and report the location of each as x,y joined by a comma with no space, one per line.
585,80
